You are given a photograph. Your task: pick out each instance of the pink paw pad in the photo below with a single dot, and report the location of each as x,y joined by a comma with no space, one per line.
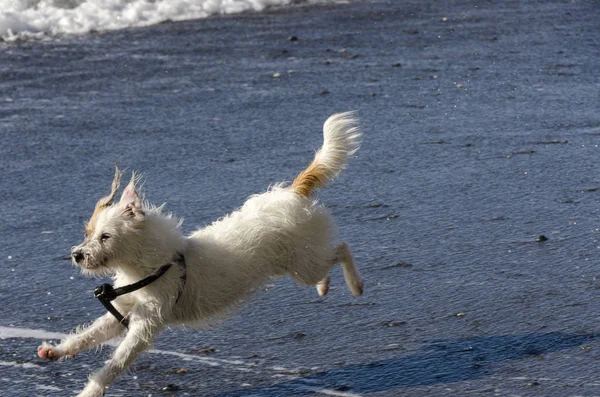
47,353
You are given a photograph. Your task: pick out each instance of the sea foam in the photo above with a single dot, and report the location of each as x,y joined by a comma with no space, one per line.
39,18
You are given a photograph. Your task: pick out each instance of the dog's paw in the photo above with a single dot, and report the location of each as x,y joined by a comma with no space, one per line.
92,393
49,352
357,288
92,389
323,286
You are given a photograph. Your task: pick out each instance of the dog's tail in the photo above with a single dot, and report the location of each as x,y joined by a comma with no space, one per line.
341,139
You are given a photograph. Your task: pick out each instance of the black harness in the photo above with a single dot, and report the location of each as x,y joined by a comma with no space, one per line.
107,293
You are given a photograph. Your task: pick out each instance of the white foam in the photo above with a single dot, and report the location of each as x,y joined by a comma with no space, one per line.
26,18
240,365
17,332
204,360
18,365
328,392
46,387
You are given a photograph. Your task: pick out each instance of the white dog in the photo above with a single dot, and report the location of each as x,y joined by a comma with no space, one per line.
282,231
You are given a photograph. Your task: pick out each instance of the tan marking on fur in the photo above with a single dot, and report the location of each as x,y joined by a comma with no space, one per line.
90,226
104,203
309,180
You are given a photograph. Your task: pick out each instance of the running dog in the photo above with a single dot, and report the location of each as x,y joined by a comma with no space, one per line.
162,278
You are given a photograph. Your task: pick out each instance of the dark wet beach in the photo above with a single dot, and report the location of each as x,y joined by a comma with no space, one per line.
481,131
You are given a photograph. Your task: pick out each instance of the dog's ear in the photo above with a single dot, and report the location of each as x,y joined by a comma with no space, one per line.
107,201
104,202
130,202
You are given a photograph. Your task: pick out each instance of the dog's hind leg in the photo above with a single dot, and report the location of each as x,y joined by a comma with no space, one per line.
323,286
353,280
344,257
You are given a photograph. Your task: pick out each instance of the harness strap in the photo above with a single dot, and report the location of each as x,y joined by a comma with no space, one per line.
107,293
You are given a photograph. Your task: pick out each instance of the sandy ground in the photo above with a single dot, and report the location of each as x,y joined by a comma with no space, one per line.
481,135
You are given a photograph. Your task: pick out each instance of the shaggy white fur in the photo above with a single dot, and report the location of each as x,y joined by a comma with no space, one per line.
280,232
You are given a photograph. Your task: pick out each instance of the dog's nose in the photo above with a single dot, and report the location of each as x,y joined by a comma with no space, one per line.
77,255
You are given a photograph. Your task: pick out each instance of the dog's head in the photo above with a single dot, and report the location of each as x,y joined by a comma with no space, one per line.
111,234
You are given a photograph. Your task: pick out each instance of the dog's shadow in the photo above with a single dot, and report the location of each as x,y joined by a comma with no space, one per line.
444,361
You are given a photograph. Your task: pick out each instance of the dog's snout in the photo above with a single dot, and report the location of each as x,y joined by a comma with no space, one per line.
77,255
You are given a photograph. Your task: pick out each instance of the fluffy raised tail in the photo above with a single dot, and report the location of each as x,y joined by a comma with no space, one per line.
341,139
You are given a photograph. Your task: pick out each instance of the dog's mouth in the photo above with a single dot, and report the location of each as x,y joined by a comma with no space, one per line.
89,264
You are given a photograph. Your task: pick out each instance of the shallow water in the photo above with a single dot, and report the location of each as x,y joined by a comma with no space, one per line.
22,19
481,133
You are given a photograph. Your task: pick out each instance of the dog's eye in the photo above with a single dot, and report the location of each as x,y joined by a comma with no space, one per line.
104,237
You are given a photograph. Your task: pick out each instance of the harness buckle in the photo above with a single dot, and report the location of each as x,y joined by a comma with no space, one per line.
105,292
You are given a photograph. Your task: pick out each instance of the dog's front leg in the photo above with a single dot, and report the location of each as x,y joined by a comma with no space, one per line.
144,325
103,329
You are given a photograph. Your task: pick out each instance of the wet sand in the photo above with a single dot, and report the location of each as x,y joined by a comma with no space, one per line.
481,135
